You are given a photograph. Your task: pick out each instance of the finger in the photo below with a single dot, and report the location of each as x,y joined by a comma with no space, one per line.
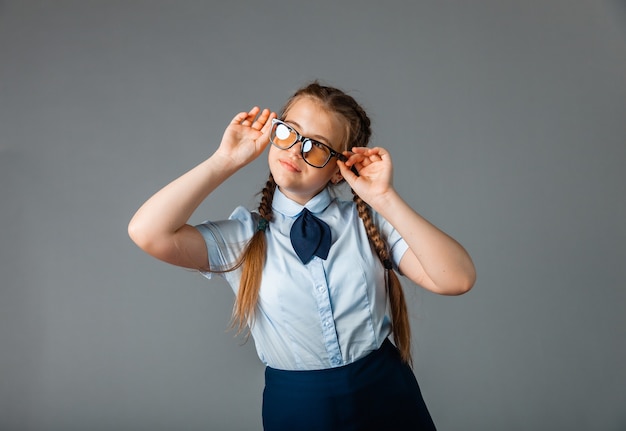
370,150
264,139
268,123
364,156
372,155
348,174
237,119
379,153
374,158
251,116
366,159
360,150
245,116
261,119
352,158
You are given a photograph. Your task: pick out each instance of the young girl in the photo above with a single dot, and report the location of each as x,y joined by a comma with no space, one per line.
314,275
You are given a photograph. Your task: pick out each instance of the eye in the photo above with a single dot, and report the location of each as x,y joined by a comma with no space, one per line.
307,145
282,131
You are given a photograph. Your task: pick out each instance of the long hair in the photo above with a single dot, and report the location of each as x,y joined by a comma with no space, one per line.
357,133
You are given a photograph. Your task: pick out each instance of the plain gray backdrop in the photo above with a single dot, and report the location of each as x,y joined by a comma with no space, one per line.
506,121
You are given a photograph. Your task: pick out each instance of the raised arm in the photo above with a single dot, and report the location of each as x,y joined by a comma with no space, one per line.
160,226
434,260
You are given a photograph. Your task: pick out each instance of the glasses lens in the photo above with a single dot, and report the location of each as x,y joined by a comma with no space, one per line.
315,153
283,136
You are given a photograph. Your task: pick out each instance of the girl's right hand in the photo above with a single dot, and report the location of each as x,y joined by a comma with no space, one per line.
246,136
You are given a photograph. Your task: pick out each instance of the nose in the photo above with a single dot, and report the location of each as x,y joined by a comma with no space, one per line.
296,149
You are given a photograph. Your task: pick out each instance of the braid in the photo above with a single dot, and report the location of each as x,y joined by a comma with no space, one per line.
252,261
365,214
363,134
267,195
360,132
399,313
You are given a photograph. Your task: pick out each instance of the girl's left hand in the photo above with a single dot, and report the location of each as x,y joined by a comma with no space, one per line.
375,169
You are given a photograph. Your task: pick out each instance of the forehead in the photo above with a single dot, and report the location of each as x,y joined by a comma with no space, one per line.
315,121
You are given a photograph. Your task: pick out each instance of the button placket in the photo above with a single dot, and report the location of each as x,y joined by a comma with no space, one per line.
322,297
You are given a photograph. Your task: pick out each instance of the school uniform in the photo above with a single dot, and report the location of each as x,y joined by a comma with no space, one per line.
322,327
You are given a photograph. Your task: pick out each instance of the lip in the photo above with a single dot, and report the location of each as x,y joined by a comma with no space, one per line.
289,165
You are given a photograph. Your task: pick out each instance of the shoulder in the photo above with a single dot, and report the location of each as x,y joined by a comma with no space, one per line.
239,226
343,205
348,208
226,239
245,216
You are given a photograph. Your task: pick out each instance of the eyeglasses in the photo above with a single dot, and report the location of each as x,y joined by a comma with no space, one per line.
313,152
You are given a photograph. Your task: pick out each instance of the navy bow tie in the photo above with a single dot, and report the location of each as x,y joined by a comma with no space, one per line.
310,237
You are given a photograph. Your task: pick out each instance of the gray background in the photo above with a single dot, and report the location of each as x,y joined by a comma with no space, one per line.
506,123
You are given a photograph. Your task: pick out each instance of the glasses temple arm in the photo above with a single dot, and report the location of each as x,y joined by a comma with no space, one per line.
344,159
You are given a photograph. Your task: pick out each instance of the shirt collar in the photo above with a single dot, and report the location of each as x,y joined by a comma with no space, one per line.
286,206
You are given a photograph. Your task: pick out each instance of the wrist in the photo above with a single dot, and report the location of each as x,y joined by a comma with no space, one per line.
384,202
225,161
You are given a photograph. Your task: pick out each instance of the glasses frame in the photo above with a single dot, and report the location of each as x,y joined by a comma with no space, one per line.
303,140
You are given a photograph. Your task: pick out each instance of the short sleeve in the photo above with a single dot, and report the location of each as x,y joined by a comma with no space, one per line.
226,239
397,245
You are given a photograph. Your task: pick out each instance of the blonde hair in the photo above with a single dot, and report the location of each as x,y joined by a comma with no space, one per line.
357,133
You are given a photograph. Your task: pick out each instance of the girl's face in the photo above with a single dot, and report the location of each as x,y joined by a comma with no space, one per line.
295,178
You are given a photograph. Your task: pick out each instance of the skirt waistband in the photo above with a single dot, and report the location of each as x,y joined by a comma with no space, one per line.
359,373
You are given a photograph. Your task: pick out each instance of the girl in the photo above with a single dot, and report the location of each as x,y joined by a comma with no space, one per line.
314,275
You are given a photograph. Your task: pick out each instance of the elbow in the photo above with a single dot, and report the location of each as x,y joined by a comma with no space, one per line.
147,241
134,232
460,285
465,287
465,283
161,245
466,278
139,235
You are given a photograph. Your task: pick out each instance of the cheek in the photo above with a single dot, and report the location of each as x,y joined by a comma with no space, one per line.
332,167
271,154
329,172
273,157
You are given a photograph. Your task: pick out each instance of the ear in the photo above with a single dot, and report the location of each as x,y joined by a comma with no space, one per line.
336,178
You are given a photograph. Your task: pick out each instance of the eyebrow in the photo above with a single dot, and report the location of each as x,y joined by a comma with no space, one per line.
320,138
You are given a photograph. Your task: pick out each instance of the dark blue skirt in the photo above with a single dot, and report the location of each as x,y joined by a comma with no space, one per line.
377,392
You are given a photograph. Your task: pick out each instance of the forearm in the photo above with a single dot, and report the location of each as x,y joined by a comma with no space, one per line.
446,264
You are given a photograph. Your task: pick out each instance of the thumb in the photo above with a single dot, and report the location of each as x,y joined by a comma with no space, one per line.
348,174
